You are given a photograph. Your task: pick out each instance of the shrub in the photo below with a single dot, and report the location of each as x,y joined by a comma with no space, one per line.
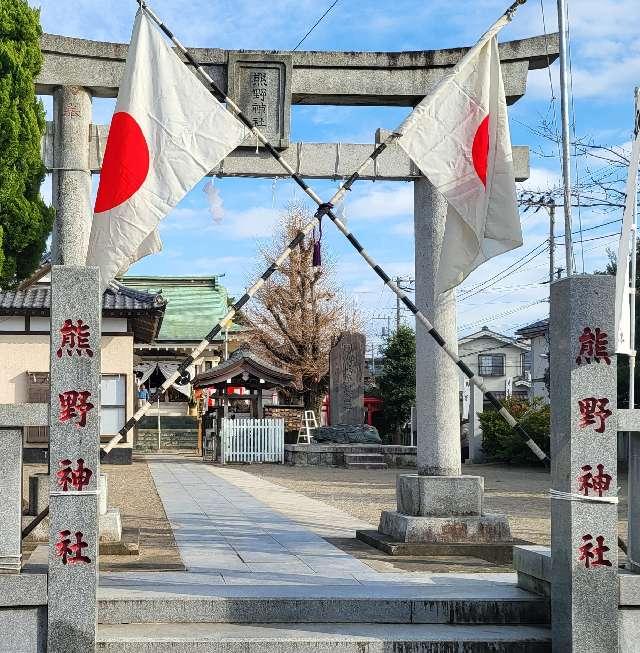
501,443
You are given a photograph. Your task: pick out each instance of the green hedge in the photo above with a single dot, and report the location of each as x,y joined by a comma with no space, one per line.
501,444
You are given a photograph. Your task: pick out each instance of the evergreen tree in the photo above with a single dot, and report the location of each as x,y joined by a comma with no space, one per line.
25,220
397,382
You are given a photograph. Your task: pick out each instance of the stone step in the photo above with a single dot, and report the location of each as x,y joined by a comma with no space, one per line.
363,458
366,465
320,638
446,606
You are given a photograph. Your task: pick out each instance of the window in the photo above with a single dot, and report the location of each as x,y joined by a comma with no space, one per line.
38,393
526,362
114,403
491,364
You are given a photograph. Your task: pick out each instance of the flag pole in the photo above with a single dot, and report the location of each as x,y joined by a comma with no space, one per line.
632,293
324,208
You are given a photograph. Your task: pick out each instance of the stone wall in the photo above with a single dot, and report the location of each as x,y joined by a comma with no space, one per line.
533,566
332,455
23,612
147,439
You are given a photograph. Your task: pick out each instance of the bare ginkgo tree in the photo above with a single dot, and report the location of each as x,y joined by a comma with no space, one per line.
299,312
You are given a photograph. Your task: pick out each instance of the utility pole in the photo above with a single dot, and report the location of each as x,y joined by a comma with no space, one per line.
399,280
552,242
388,319
566,156
373,360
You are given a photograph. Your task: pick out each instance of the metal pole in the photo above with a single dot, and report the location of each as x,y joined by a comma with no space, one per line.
632,292
398,306
632,314
158,423
566,157
552,242
633,549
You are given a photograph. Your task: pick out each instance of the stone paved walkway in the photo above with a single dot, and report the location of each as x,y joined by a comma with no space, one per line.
228,537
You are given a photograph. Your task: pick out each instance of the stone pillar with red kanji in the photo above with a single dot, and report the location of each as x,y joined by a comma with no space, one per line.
74,458
584,590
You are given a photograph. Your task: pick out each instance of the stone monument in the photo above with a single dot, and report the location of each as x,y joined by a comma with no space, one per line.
346,379
74,454
11,495
584,512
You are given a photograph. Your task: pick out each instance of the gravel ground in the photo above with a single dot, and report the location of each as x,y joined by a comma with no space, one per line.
519,492
131,488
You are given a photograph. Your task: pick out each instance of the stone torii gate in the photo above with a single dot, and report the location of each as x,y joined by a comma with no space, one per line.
76,70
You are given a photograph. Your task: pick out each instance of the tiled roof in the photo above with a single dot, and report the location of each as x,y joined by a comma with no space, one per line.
536,327
37,299
194,305
241,360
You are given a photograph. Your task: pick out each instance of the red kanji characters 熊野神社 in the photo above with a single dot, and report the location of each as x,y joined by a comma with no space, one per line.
77,478
593,346
597,482
71,554
74,338
74,404
593,556
592,411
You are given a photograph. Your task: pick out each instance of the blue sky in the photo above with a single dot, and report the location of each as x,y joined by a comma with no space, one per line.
605,45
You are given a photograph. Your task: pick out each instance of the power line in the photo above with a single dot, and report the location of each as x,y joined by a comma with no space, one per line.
466,291
493,318
507,272
315,24
598,226
616,233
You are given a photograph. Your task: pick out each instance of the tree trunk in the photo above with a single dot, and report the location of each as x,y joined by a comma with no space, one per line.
312,398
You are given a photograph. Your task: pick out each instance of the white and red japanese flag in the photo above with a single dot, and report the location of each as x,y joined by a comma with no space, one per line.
459,137
167,133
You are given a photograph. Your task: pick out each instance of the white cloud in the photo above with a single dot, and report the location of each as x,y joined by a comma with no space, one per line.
382,201
250,223
540,179
403,228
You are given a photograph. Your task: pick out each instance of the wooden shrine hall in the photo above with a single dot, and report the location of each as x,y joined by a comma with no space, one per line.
243,376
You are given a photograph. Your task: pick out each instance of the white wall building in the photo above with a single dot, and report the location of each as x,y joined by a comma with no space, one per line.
499,360
538,335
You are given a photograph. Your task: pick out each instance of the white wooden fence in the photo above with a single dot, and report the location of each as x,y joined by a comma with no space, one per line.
252,441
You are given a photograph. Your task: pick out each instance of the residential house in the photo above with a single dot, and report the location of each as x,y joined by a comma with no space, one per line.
129,318
538,335
503,362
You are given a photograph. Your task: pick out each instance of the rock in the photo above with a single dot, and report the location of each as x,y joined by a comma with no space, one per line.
347,434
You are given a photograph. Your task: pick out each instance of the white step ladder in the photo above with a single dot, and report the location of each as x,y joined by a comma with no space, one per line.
308,422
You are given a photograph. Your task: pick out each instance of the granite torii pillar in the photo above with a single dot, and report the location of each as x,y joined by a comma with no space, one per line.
71,175
438,504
